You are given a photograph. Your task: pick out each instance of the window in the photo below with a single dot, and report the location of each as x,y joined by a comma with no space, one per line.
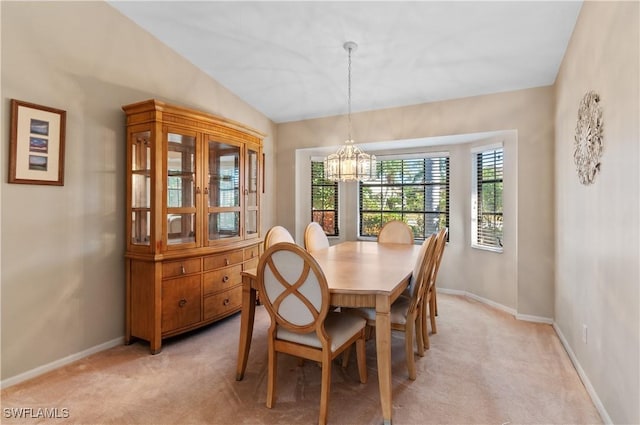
414,190
487,199
324,200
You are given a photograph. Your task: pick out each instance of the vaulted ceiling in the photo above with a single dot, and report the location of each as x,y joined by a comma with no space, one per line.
287,59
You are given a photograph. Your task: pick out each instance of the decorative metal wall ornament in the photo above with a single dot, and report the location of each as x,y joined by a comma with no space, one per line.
588,140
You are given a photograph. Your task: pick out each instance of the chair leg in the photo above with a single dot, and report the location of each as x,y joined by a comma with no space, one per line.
271,381
425,329
345,357
433,308
435,300
426,342
408,347
325,388
361,354
419,325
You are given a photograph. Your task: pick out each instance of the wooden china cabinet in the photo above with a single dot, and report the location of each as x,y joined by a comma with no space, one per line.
193,218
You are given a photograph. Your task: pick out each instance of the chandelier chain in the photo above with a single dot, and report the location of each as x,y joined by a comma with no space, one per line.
349,94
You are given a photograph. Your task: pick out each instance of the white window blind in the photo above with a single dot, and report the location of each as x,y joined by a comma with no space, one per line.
487,219
414,190
324,200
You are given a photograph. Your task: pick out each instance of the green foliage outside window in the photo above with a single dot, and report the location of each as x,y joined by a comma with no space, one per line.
489,167
324,200
415,191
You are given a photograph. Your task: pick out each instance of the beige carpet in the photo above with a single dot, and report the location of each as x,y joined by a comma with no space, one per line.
484,367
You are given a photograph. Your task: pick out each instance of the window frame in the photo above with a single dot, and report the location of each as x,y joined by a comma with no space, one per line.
476,195
325,184
424,212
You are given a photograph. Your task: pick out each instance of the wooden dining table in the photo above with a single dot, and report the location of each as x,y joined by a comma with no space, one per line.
359,274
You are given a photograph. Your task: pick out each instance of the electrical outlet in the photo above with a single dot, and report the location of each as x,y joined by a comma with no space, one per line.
584,333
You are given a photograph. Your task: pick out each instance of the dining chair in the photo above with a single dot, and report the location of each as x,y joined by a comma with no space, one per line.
296,295
277,234
315,238
430,299
395,231
406,312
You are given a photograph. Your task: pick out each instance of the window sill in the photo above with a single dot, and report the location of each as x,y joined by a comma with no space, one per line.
487,248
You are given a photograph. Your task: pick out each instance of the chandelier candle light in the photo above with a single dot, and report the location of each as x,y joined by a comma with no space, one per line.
349,163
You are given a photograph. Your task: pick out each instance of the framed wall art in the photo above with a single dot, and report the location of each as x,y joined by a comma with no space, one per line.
36,148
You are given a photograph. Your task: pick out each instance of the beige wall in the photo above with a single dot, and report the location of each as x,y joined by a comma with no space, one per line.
598,239
62,257
522,277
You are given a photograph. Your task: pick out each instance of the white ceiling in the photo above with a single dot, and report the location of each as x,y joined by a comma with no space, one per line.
286,58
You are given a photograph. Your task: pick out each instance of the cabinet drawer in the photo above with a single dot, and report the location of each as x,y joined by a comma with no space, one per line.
252,252
222,260
222,279
251,264
180,267
181,302
221,304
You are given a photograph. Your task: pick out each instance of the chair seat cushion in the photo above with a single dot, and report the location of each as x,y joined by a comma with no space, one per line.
339,326
398,314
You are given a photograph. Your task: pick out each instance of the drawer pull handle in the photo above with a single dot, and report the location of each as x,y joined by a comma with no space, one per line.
182,269
225,302
226,261
225,279
182,302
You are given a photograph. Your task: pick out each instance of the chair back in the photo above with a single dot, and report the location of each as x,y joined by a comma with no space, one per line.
395,231
277,234
293,289
422,271
441,241
315,238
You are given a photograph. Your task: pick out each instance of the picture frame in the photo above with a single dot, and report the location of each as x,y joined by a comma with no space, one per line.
36,144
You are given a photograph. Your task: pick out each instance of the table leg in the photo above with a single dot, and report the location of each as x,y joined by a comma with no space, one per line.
383,348
247,316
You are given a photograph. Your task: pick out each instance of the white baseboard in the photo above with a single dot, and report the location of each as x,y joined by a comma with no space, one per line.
59,363
534,319
583,377
509,310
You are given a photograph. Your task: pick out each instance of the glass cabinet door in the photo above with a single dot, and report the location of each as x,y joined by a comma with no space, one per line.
252,187
223,190
181,189
140,145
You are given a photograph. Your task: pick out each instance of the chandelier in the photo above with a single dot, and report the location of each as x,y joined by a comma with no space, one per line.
349,163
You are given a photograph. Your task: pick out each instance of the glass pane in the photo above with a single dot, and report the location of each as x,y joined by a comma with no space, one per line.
140,227
140,187
413,198
392,199
252,222
180,170
140,190
141,151
224,175
180,228
224,225
370,224
370,198
416,222
326,219
252,178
